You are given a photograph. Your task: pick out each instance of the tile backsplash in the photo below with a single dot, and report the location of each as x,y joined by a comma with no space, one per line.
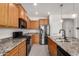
5,33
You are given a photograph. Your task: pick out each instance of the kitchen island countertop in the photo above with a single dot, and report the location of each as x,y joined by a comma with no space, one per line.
71,47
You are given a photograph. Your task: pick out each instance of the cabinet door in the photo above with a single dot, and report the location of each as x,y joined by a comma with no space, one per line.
13,16
43,21
35,39
52,47
3,14
28,22
34,25
46,21
13,52
16,17
22,49
21,12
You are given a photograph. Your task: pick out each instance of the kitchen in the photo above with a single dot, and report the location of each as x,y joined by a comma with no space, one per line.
39,29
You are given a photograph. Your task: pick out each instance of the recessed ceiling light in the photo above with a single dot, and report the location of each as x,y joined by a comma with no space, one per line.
74,15
48,13
36,13
61,21
35,4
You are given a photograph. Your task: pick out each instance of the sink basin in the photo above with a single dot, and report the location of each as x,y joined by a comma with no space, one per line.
62,40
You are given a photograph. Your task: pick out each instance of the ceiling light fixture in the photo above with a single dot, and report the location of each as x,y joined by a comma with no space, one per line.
36,13
61,5
35,4
48,13
61,21
73,14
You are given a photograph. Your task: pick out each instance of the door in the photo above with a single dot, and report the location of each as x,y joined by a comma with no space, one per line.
68,26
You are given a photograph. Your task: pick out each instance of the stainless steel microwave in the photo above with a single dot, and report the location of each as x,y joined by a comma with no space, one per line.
22,23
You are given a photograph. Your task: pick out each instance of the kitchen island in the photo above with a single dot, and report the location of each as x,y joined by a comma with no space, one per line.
68,48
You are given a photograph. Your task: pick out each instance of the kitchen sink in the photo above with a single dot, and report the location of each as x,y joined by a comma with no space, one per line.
61,40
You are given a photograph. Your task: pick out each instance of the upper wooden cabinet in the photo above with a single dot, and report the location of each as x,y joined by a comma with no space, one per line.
21,12
3,14
8,15
34,25
13,15
43,21
28,23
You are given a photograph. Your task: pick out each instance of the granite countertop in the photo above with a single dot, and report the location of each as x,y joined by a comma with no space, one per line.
8,44
71,47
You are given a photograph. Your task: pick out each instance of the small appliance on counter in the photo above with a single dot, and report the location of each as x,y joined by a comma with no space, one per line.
18,34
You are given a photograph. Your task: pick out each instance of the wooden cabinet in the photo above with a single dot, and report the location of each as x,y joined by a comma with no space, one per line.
21,12
3,14
19,50
13,16
34,24
46,22
35,39
22,49
43,21
28,24
13,52
52,46
8,15
27,21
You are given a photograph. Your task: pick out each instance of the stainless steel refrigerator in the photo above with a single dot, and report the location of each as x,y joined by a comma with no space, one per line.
44,31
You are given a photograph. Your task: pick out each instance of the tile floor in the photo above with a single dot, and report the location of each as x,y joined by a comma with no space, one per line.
39,50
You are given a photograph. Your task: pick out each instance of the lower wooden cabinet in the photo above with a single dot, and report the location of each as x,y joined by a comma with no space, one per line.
22,49
56,50
13,52
35,39
19,50
52,46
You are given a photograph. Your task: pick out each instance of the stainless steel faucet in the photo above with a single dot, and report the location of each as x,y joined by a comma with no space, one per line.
63,34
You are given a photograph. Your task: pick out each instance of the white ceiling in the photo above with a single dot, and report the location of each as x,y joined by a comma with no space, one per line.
53,8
